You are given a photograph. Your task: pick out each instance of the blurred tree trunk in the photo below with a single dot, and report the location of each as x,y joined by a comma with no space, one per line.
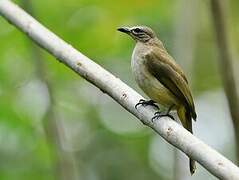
183,50
225,65
64,161
185,34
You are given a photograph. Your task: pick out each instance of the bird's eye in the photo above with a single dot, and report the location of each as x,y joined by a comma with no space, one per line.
137,30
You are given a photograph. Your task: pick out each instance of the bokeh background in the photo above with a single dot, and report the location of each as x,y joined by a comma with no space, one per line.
55,125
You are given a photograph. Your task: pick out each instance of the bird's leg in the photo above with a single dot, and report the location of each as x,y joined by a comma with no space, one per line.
159,114
146,103
170,108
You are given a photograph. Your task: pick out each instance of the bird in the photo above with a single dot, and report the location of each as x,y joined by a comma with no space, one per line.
161,78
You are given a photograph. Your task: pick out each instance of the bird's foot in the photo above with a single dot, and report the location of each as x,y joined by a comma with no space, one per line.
146,103
159,114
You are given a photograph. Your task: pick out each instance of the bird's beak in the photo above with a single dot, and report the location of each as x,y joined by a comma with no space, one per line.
124,30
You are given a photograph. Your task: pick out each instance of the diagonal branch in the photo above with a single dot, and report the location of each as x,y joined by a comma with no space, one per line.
119,91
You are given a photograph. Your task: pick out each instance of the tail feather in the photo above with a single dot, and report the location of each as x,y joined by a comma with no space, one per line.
186,119
192,166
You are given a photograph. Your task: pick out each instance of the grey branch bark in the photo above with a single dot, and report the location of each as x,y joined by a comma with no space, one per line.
171,131
225,65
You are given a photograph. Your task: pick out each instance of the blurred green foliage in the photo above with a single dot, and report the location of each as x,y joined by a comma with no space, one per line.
101,140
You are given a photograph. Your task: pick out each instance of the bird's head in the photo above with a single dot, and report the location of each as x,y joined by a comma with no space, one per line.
139,33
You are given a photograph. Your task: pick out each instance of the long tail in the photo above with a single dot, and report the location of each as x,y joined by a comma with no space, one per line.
186,120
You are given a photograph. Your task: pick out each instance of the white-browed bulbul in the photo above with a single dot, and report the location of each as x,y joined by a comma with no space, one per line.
160,77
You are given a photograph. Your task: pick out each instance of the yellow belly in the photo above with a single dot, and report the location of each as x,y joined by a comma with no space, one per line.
156,91
150,85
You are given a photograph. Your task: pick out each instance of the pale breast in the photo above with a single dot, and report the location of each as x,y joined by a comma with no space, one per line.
148,83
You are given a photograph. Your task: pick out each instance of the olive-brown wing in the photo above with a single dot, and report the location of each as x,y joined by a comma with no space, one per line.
161,68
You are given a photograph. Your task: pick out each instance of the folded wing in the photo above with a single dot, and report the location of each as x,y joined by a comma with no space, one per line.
162,66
